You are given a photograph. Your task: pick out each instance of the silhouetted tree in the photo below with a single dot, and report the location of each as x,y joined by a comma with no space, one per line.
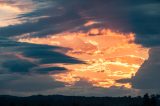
153,100
75,104
12,104
146,100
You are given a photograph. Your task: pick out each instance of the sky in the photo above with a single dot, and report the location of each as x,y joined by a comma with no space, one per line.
79,47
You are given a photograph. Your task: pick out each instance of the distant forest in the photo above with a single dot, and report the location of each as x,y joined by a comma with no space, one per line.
58,100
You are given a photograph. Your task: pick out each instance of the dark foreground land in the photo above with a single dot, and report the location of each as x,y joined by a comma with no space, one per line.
57,100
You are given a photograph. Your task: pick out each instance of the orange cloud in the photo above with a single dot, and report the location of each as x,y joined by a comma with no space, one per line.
109,55
90,23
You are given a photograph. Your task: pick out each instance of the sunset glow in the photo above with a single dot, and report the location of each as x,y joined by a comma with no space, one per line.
109,56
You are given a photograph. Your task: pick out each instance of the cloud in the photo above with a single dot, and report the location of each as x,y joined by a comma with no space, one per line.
40,28
145,22
20,66
25,58
13,84
44,18
88,90
147,76
27,83
50,24
140,17
10,9
48,56
51,70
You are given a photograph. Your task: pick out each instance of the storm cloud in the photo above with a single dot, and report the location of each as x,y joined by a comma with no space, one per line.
27,84
22,57
44,18
139,17
147,76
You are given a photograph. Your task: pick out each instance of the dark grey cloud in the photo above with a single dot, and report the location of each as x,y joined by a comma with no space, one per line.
48,56
42,27
41,54
83,83
55,21
21,76
145,22
89,90
51,70
140,17
18,66
27,83
147,76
